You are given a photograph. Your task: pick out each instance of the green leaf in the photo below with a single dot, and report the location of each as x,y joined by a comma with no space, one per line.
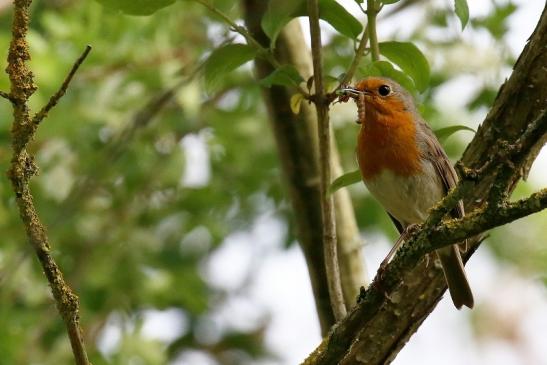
285,75
443,133
309,83
278,14
462,11
387,2
344,180
340,19
224,60
410,59
296,102
386,69
136,7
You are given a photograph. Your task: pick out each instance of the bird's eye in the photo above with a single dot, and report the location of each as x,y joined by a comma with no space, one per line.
384,90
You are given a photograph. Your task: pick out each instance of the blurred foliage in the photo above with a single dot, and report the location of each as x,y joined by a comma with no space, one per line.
134,216
496,21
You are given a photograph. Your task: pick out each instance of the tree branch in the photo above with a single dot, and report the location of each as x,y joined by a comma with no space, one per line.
23,168
350,243
5,95
327,206
363,46
296,140
372,12
237,28
38,117
504,161
482,220
356,59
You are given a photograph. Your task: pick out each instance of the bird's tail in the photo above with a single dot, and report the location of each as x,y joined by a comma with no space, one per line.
454,273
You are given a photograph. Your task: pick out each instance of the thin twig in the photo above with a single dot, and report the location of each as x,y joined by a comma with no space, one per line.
356,59
360,5
358,55
362,47
372,11
22,168
327,206
237,28
38,117
5,95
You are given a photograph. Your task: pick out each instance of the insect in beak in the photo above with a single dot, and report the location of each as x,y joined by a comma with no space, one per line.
359,96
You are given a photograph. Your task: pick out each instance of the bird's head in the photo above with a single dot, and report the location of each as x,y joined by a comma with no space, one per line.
383,98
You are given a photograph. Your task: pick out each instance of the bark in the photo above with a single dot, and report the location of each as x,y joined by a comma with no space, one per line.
296,139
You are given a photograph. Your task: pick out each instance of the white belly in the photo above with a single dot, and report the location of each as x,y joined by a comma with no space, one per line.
407,199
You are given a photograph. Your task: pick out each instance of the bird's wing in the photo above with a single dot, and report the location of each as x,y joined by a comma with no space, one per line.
434,153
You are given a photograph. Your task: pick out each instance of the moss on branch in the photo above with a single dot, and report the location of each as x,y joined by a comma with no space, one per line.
22,169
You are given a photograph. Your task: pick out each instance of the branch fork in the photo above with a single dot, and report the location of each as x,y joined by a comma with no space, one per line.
23,168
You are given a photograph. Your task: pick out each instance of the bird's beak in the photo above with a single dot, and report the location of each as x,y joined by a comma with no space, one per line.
350,91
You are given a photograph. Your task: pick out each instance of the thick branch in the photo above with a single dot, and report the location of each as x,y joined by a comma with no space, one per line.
23,168
504,162
480,221
327,203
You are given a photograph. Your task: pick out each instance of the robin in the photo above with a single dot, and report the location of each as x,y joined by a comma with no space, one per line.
405,168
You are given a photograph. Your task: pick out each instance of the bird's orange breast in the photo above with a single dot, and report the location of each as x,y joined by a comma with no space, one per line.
388,142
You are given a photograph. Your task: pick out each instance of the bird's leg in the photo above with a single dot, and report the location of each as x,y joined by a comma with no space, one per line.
394,249
402,238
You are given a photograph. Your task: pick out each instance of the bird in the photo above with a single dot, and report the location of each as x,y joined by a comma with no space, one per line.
405,168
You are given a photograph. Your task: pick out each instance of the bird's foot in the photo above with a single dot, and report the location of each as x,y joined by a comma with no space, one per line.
402,238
